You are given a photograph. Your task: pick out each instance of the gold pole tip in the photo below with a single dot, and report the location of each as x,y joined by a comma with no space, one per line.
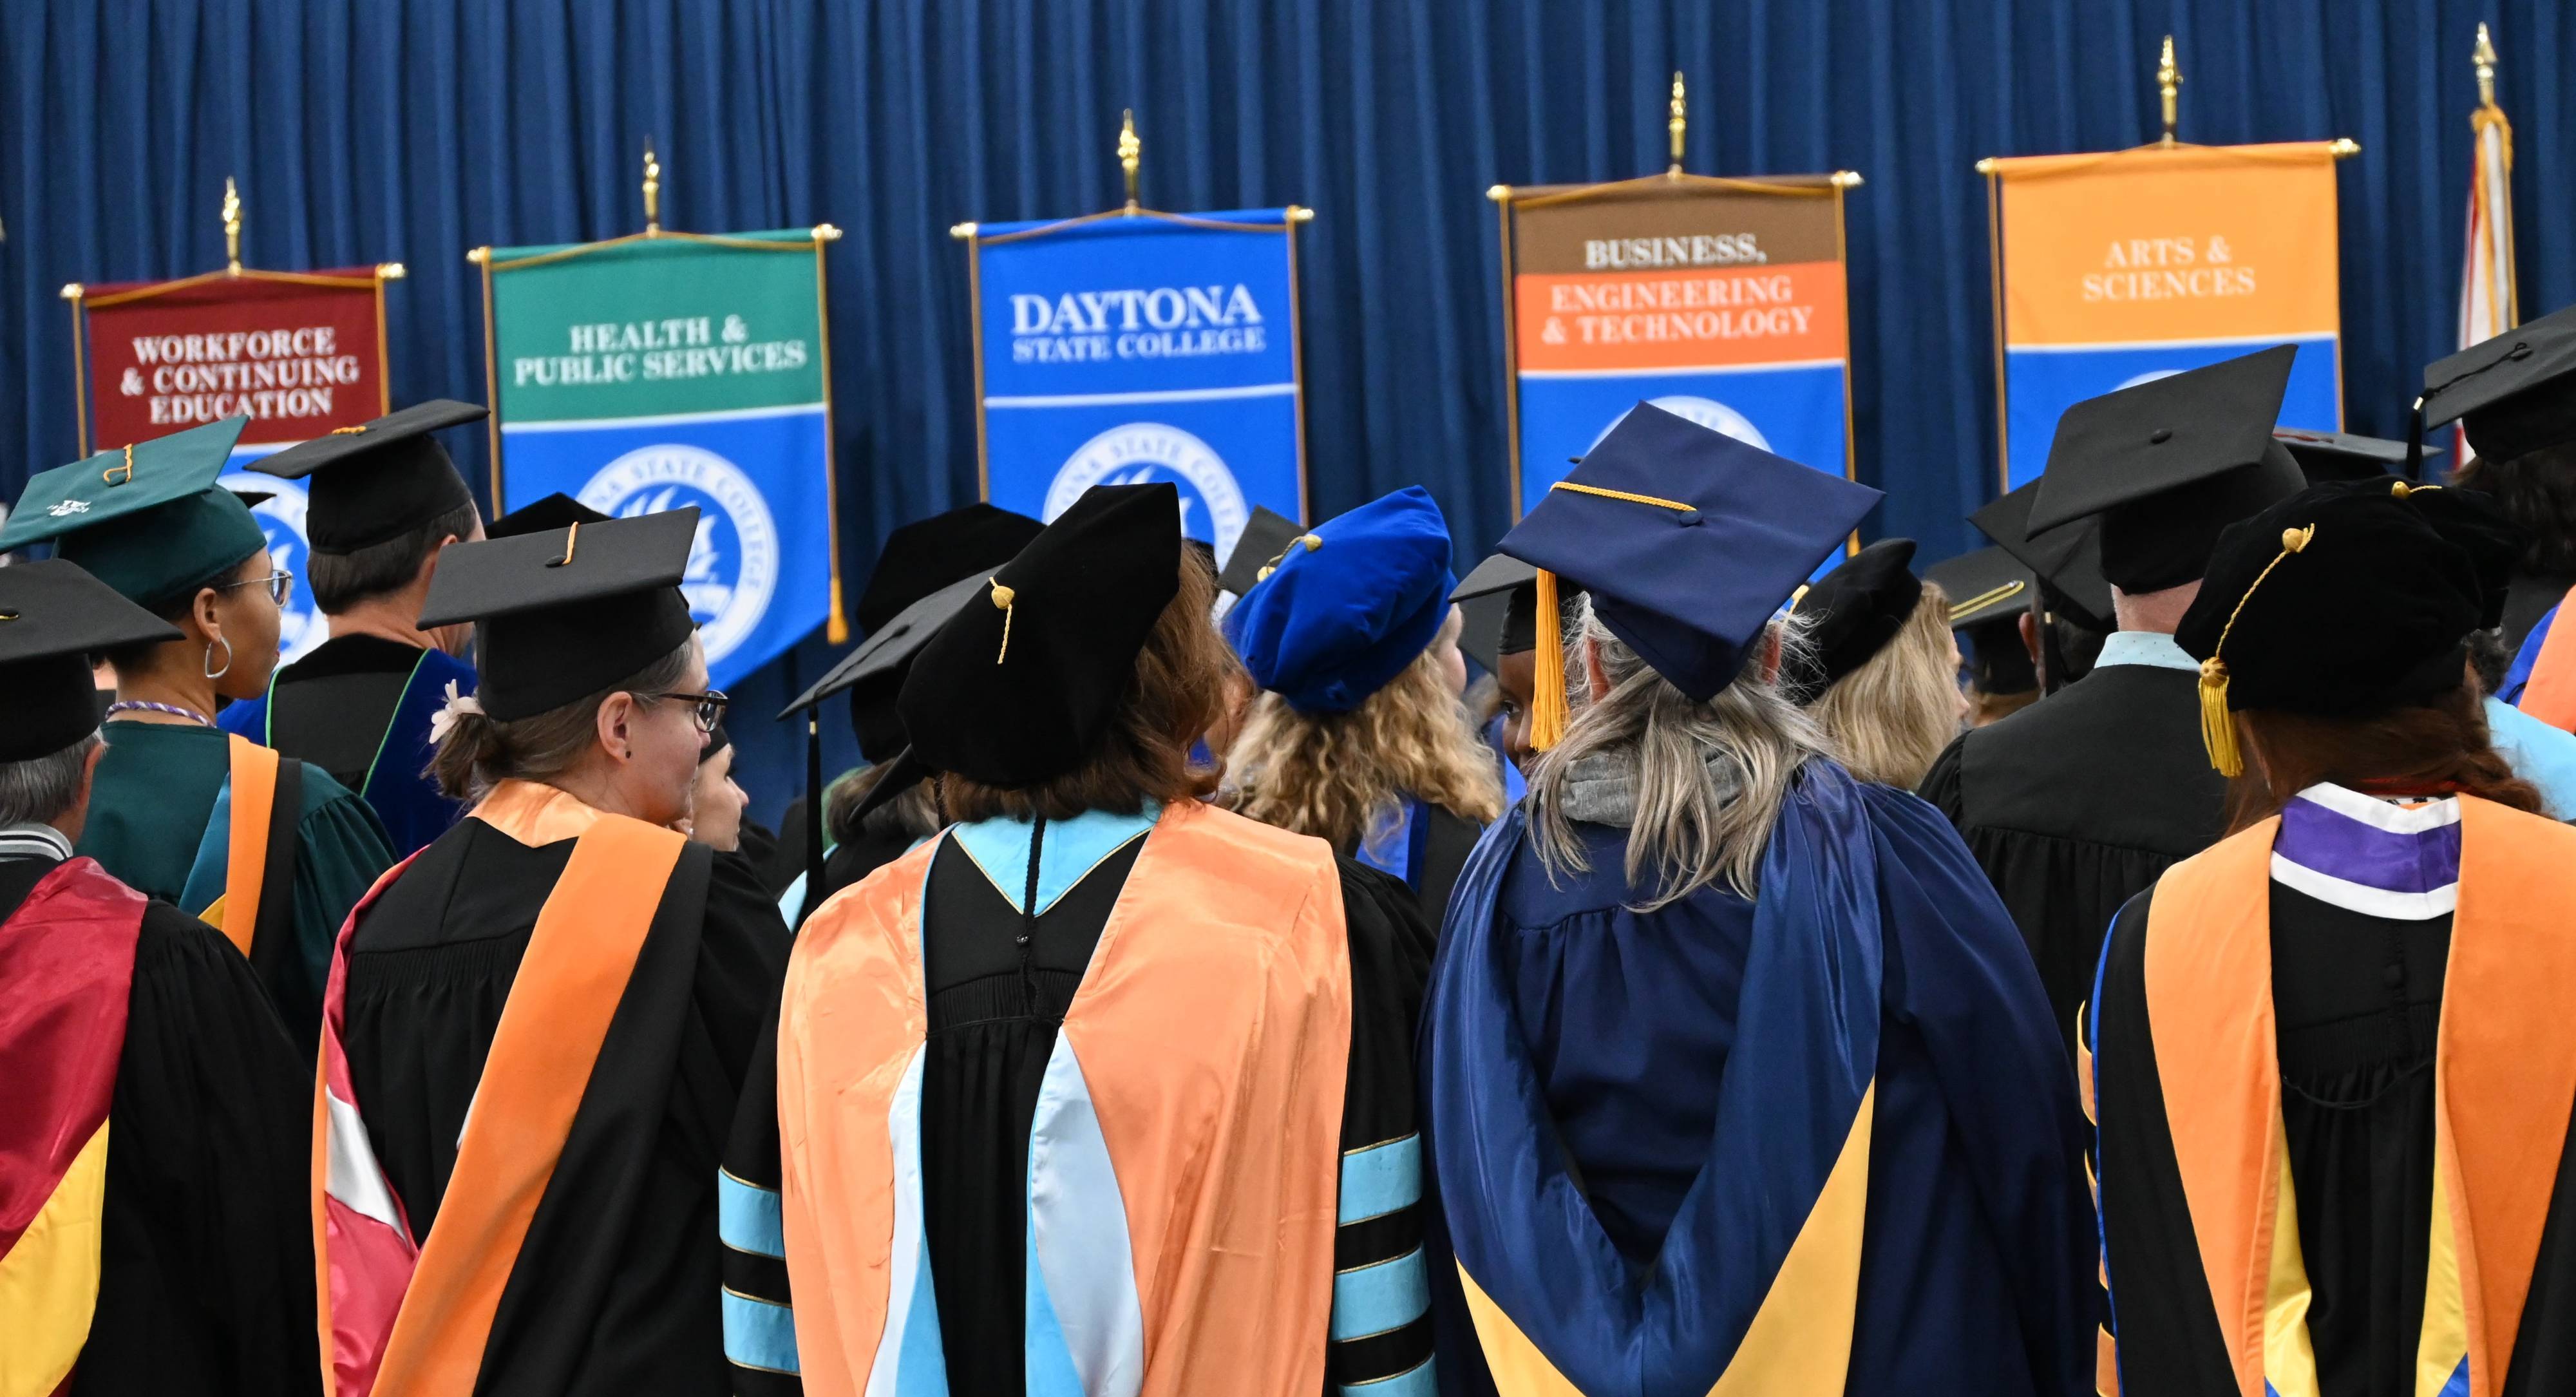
1850,179
479,256
1989,165
1500,193
2343,147
1299,213
73,291
961,231
391,271
827,233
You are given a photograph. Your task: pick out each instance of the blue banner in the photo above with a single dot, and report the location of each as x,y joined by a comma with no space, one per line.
2042,382
1123,349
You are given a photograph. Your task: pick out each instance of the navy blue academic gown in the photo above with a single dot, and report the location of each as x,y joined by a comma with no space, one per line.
1632,1116
360,707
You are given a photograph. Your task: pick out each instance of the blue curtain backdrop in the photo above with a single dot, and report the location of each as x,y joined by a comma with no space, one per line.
411,130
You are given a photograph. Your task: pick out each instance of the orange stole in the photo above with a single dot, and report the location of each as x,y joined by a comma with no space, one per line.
254,804
1213,1030
579,956
2505,1066
2550,693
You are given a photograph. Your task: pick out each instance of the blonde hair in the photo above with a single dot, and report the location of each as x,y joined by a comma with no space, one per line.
1891,718
1708,777
1333,775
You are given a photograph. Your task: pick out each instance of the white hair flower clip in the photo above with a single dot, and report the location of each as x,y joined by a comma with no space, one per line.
445,718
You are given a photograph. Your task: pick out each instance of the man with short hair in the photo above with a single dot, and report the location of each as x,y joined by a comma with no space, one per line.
385,502
154,1115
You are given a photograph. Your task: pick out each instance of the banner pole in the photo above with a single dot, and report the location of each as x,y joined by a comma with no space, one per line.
1993,172
1676,124
652,192
836,628
482,258
1501,194
975,329
1131,153
2169,90
72,292
1289,219
232,228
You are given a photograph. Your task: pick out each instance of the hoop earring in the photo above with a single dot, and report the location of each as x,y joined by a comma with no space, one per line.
212,671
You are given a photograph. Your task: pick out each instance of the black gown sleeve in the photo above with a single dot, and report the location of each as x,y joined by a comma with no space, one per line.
1381,1213
743,963
206,1274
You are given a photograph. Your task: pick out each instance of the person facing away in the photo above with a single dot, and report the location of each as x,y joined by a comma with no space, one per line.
154,1116
1990,595
2330,1056
1880,669
2078,801
1358,736
383,502
1105,1089
272,851
1737,1076
538,1027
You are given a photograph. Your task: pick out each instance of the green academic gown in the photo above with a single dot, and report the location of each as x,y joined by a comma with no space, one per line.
150,808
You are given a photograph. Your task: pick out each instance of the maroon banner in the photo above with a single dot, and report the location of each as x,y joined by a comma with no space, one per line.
299,353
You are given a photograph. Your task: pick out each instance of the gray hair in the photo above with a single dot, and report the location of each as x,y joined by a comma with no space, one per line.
40,790
1708,777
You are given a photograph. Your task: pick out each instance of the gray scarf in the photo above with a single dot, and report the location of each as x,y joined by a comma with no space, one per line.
1602,788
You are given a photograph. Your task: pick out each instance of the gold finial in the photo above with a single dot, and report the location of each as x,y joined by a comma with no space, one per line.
2484,56
2169,87
232,227
652,190
1130,154
1678,122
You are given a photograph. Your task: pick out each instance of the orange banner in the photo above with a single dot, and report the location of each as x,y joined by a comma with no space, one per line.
2170,243
1680,319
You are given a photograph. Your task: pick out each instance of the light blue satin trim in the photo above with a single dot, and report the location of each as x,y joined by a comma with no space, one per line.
1420,1380
1380,1179
2154,649
747,1218
1085,1330
908,1360
1388,844
2538,753
1073,848
1373,1299
758,1334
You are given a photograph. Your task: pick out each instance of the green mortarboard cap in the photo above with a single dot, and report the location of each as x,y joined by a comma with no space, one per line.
147,519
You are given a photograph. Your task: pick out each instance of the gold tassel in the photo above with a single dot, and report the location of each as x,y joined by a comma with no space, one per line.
1547,702
2217,730
1003,600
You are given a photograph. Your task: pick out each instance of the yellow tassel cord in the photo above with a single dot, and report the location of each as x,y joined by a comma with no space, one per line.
109,475
1547,703
2217,730
1003,600
572,535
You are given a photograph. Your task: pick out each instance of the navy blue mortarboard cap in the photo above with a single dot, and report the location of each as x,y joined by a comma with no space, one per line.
1349,604
1687,539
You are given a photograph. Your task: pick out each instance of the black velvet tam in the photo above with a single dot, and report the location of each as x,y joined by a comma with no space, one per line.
1853,612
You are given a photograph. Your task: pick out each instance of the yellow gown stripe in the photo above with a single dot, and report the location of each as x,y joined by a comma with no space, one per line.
49,1280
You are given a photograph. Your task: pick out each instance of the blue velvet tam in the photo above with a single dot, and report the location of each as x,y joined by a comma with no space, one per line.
1348,605
1688,540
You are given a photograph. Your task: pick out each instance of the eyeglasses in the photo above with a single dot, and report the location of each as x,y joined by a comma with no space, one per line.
279,584
710,705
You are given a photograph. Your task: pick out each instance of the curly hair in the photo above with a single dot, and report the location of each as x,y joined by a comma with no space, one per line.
1336,775
1891,717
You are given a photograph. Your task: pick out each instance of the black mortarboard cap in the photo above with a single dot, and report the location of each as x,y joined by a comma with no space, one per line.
1264,539
1486,600
873,673
926,555
53,617
2168,463
147,519
555,511
2067,561
2325,456
1020,687
376,481
2342,599
564,613
2511,392
1687,539
1984,585
1853,612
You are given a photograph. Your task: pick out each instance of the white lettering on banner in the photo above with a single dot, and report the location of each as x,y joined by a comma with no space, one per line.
658,351
1160,322
1701,250
2168,269
289,371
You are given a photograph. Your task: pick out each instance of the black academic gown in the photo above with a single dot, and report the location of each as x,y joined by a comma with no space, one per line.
2357,1000
2528,598
206,1258
2077,803
993,1025
616,1291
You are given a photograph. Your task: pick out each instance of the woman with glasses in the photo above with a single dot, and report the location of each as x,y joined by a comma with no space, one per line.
272,851
568,965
